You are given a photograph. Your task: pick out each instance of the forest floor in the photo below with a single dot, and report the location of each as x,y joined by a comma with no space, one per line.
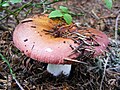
101,73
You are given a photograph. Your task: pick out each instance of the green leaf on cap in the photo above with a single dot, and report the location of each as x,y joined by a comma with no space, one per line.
55,13
67,18
64,9
108,3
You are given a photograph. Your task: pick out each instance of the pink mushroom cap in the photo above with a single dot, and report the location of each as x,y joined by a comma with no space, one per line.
31,39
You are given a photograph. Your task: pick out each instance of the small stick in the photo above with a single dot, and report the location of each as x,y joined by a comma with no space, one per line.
95,15
74,60
21,88
9,83
83,36
105,66
44,7
116,27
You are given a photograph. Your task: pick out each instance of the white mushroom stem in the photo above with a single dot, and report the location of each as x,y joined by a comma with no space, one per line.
57,69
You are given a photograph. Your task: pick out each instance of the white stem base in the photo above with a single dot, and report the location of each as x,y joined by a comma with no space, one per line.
57,69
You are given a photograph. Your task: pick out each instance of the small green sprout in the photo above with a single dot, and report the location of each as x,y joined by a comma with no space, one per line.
7,62
63,12
108,3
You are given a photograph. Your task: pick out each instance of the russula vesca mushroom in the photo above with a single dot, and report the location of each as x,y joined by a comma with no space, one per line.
37,38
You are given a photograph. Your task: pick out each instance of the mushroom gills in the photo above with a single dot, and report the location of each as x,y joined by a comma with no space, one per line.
57,69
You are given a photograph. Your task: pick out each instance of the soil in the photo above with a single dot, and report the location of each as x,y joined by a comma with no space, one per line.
32,75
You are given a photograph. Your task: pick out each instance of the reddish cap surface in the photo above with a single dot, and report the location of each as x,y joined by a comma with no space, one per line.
29,37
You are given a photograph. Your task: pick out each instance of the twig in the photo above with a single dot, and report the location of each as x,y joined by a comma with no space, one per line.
116,27
44,6
95,15
105,66
74,60
9,82
21,88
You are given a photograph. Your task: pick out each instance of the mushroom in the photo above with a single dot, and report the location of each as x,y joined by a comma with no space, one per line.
36,38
